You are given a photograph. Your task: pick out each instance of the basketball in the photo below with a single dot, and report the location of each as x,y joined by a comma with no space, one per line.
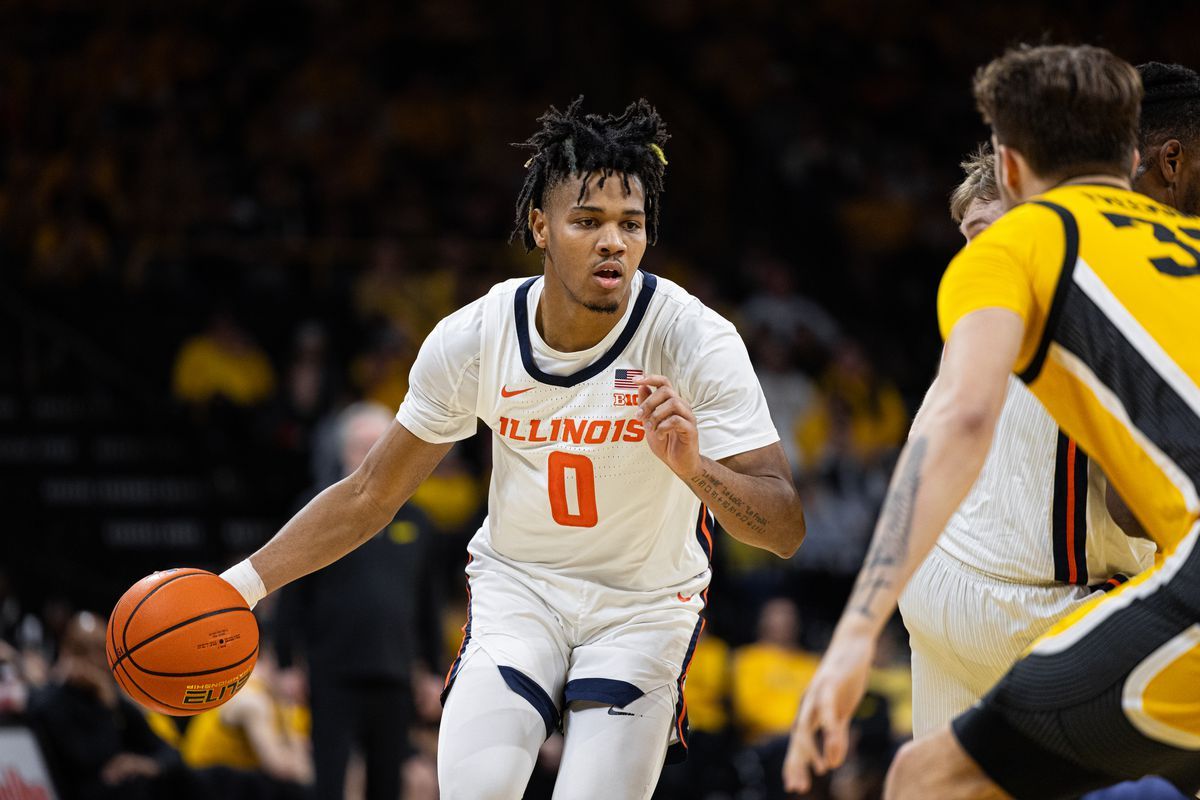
181,641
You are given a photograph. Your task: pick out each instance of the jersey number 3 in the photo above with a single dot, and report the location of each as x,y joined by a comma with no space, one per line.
1165,264
572,490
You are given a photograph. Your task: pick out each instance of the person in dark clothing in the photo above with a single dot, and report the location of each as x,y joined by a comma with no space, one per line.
99,744
367,626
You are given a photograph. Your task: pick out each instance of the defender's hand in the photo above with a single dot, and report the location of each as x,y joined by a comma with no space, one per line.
670,425
828,704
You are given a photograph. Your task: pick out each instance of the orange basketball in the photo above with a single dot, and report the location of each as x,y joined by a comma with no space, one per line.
182,641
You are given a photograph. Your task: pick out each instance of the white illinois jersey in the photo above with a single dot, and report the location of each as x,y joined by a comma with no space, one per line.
575,488
1037,514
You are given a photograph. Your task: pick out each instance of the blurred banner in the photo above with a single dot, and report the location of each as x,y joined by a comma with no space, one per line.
23,773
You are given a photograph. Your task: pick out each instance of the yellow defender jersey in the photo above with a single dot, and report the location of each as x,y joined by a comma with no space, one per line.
1108,284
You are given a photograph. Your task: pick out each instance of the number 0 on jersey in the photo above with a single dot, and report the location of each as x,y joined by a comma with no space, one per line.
572,489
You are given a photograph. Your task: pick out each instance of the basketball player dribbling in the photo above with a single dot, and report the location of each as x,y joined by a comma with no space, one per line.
625,415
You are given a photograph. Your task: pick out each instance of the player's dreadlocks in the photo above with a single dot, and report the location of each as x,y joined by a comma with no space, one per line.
1170,107
630,143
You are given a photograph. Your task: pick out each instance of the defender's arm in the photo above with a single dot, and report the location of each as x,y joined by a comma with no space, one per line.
940,462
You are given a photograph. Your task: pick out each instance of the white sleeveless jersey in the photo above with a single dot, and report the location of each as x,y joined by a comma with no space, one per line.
1037,514
575,488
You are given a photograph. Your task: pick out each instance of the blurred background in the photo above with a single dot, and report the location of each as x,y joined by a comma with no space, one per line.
223,223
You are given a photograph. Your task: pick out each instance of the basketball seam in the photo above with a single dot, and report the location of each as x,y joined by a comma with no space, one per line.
130,651
152,697
149,594
252,654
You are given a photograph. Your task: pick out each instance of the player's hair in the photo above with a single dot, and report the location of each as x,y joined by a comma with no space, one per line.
979,183
1069,110
1170,108
573,144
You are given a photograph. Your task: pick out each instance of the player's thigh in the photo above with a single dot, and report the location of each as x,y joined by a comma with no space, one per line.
611,751
937,693
633,648
489,736
512,616
971,628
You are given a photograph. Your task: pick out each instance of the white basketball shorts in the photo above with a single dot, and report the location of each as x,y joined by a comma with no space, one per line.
967,628
558,640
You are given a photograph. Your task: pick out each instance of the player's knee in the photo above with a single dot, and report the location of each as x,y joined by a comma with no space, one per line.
904,774
936,766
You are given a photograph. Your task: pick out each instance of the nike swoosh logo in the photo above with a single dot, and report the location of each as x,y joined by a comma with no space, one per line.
506,392
612,712
683,599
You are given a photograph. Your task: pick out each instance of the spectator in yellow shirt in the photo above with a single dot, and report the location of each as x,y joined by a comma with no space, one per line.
258,729
222,363
770,675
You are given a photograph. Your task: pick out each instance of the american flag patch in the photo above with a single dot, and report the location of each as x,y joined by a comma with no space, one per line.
625,378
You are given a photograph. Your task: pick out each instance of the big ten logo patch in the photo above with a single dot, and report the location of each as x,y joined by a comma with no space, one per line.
402,532
625,399
204,693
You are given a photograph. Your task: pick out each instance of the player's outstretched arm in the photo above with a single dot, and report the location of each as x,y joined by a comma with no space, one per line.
751,493
343,516
944,454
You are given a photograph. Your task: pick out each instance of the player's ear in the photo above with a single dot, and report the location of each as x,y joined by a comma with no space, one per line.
1007,168
1137,162
1016,174
1169,156
537,226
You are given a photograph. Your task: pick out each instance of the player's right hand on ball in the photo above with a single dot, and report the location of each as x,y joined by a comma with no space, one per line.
821,733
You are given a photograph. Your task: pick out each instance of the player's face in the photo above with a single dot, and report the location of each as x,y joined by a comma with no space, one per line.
979,215
593,241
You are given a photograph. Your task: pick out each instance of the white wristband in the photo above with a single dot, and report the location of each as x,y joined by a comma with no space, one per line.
243,577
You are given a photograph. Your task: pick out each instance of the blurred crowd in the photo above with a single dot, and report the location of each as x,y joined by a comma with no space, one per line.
327,725
252,214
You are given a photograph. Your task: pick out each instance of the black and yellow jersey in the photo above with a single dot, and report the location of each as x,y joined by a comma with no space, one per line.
1108,284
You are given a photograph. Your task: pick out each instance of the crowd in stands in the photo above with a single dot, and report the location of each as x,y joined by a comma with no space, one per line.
260,209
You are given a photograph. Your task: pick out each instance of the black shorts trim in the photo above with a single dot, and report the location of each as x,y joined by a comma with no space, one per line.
528,688
1068,516
1016,763
601,690
1065,273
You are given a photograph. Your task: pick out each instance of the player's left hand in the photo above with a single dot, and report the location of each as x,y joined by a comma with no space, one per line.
670,425
828,704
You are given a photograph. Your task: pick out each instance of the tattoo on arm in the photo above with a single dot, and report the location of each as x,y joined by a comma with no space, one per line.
731,502
890,548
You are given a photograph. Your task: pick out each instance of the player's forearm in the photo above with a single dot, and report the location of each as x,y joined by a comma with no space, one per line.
936,470
763,511
333,523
